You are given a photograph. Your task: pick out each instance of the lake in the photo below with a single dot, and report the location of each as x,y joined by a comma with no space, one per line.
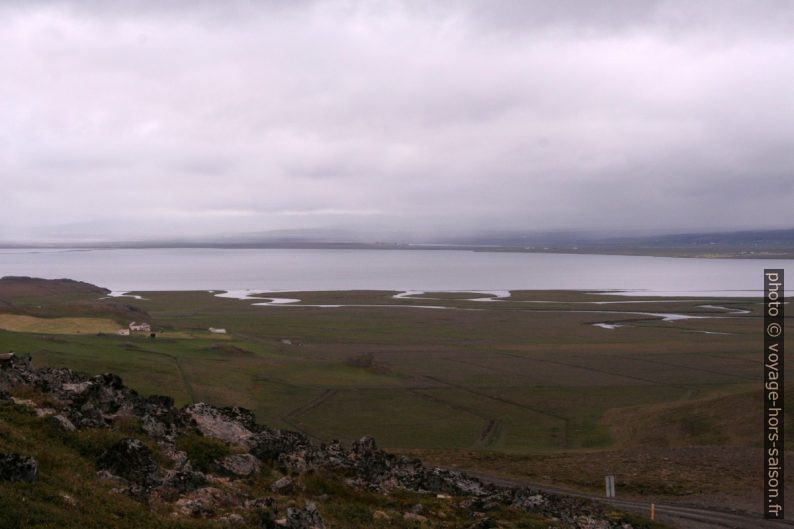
306,269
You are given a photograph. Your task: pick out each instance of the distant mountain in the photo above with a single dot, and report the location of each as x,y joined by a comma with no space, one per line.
744,244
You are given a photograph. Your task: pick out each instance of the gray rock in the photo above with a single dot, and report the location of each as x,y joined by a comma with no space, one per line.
414,517
15,467
133,461
203,503
45,412
227,424
77,387
62,423
231,519
284,485
106,475
268,444
306,518
153,427
485,523
178,482
239,465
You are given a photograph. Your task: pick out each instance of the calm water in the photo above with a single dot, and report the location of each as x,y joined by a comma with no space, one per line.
210,269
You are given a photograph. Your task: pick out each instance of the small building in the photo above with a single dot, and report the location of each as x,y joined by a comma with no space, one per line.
124,332
216,330
140,327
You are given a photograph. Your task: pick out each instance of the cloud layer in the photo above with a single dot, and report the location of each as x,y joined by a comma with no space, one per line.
129,119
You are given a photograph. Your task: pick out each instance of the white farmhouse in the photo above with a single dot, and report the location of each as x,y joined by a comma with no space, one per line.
216,330
140,327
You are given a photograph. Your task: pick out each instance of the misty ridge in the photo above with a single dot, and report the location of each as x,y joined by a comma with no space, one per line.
743,244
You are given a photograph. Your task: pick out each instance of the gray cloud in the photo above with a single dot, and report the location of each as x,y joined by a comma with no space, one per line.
129,119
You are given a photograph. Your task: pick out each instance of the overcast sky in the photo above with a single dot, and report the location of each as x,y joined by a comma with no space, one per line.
131,119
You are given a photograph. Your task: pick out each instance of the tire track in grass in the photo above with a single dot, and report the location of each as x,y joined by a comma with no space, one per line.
491,433
593,369
488,435
190,391
182,376
686,368
565,420
260,378
489,368
733,358
292,416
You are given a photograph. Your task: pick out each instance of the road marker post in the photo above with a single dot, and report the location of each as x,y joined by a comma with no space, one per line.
653,512
609,483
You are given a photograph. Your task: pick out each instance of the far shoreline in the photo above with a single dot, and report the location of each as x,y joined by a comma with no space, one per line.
672,252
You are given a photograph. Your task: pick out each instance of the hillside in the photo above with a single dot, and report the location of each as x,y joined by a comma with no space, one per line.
52,298
89,452
33,287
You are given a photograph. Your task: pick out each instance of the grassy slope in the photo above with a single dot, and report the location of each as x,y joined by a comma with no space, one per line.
69,495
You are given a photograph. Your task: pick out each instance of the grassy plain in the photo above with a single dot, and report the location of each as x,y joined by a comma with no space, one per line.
526,386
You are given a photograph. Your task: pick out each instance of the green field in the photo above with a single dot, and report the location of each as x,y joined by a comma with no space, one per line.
526,376
32,324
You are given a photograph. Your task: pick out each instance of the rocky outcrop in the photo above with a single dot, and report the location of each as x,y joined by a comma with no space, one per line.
156,470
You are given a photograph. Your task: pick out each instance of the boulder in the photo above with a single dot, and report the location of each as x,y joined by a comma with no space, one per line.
178,482
45,412
231,519
132,460
284,485
62,423
414,517
203,503
306,518
227,424
299,462
15,467
268,444
77,387
528,500
485,523
239,465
